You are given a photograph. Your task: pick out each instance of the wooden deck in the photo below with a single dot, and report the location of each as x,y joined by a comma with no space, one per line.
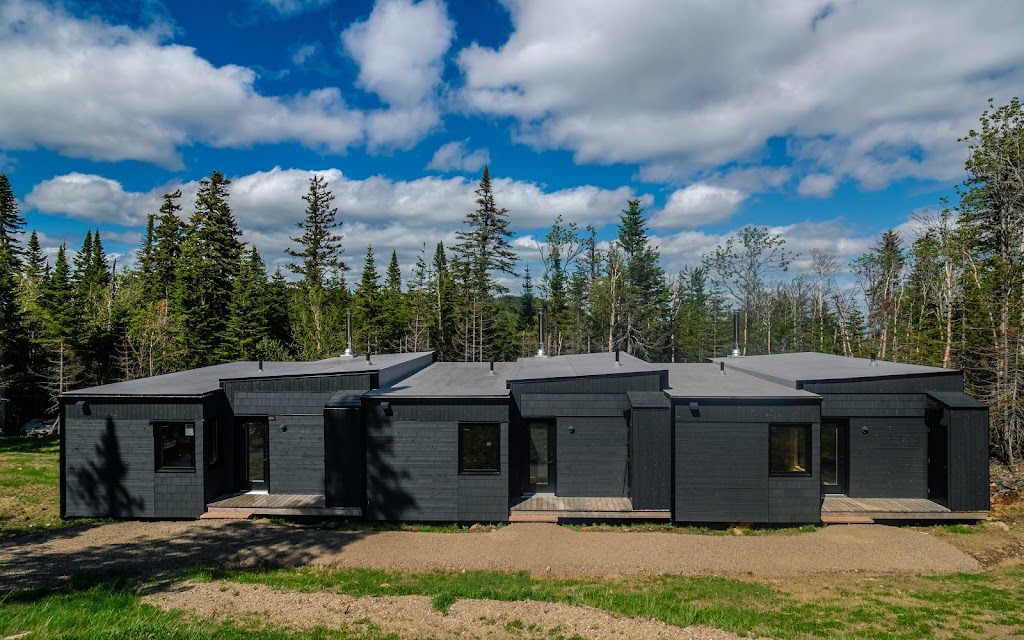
246,505
548,508
843,510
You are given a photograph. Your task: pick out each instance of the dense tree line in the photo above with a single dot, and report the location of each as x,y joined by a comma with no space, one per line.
952,295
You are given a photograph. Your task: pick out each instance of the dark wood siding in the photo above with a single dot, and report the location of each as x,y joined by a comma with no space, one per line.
304,395
651,458
721,462
219,479
945,381
345,457
964,471
297,454
550,405
968,460
109,462
592,457
412,466
890,460
721,472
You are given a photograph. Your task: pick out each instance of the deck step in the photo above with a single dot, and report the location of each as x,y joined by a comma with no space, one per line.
227,514
533,517
846,519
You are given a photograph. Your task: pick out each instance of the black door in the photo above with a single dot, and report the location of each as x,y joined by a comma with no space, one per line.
255,454
835,447
540,457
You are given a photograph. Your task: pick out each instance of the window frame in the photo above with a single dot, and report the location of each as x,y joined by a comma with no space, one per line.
808,430
158,449
213,442
496,471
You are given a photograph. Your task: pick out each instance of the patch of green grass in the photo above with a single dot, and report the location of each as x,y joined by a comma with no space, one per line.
107,606
902,607
30,487
958,528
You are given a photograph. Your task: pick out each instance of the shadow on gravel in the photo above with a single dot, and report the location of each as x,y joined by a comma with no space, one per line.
51,558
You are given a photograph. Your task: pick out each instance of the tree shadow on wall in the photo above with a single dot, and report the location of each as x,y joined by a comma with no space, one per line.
386,475
101,482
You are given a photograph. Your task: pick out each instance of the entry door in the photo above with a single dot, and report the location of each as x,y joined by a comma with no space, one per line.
835,446
255,453
540,457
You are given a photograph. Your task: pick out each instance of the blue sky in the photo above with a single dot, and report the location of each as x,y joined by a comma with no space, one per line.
827,122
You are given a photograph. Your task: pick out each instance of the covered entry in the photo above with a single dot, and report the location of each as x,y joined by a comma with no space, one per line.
254,453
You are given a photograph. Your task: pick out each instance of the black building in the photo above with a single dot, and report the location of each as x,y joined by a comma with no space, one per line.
792,438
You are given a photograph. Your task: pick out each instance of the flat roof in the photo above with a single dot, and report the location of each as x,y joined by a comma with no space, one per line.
198,382
452,380
580,365
794,368
705,380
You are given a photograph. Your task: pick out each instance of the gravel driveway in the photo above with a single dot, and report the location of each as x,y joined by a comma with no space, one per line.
158,548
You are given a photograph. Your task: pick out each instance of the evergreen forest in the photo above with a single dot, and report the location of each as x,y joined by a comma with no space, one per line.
950,294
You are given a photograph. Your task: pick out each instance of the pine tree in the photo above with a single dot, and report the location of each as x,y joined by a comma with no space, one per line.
246,334
418,298
394,316
13,338
168,236
279,323
316,330
527,315
483,249
209,261
645,295
442,297
366,307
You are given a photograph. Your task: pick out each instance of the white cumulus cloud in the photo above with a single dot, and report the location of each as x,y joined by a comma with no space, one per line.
455,156
89,89
400,51
697,205
817,185
869,90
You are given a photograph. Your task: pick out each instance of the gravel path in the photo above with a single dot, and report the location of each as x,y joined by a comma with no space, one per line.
413,616
157,548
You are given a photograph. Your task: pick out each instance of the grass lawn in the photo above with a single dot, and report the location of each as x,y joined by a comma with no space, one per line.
902,607
30,487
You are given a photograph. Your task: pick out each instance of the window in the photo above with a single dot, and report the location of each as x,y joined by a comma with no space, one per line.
479,448
175,445
214,441
790,449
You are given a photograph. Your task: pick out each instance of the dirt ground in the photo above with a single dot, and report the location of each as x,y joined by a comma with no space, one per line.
162,548
413,616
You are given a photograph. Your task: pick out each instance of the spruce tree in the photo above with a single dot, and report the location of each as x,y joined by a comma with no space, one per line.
168,235
316,330
483,250
394,315
209,261
645,295
442,325
247,331
366,306
13,339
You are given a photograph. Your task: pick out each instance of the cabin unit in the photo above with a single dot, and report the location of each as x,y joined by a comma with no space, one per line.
779,439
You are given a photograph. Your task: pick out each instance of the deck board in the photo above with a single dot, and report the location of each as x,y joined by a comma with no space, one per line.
836,509
547,508
245,505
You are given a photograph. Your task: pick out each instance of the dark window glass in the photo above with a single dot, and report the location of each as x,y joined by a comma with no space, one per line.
790,450
829,453
214,441
479,450
175,445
